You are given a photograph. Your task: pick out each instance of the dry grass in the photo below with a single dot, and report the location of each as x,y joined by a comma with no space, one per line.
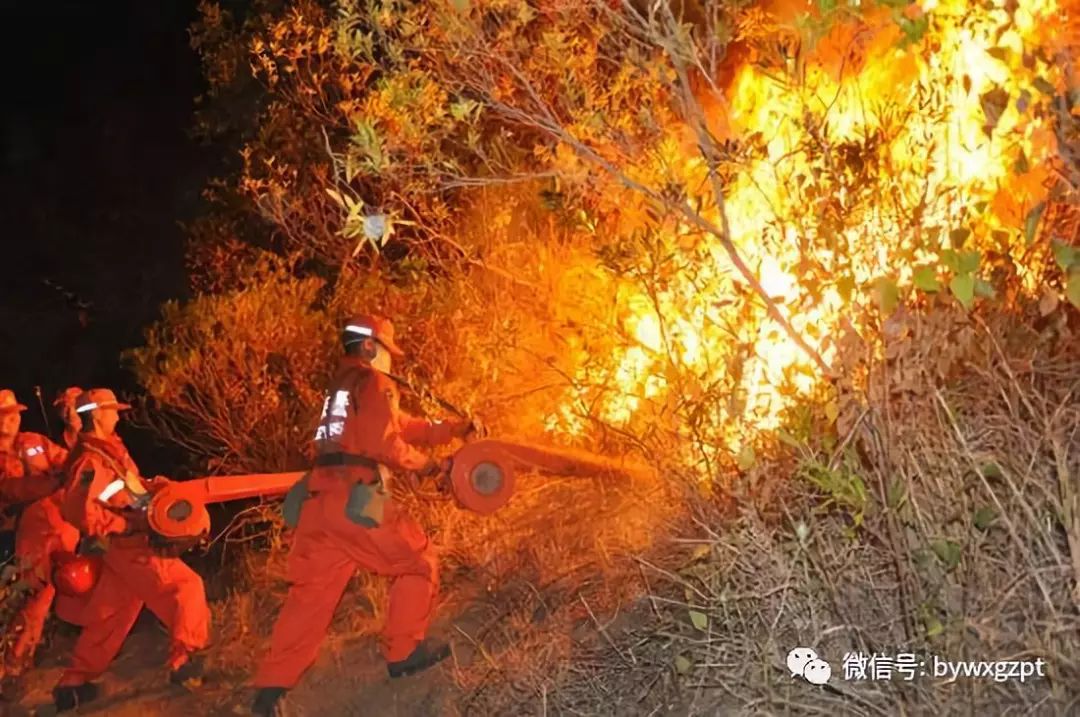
519,588
578,598
928,572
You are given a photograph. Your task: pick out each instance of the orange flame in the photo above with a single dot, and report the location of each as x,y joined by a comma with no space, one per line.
946,121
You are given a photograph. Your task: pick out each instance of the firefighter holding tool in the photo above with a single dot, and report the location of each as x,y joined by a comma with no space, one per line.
345,520
65,405
106,498
41,539
29,462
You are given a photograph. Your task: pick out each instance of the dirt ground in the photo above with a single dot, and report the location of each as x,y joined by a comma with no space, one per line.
561,587
349,679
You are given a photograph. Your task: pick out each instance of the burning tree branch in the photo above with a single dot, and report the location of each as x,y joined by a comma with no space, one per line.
538,114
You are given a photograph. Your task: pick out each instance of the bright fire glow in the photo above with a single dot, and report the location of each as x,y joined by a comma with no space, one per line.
918,115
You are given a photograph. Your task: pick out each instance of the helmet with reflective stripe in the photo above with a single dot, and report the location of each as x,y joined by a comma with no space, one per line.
360,328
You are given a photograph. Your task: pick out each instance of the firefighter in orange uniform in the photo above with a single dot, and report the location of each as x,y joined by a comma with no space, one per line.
65,405
347,521
29,462
41,534
105,499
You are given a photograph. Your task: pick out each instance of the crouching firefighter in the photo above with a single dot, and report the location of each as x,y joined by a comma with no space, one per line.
345,519
105,498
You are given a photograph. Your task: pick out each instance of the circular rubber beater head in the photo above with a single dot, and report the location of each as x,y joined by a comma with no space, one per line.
482,478
174,516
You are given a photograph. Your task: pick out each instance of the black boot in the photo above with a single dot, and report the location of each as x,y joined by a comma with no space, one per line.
68,698
426,654
266,700
190,670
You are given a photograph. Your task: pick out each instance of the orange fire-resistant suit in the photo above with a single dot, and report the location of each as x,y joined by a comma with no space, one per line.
362,428
32,472
102,482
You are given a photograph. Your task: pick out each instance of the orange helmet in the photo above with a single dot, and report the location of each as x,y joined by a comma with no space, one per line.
67,397
8,404
369,326
76,575
94,398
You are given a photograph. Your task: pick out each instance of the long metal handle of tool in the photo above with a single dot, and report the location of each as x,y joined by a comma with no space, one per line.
178,508
44,413
445,404
221,489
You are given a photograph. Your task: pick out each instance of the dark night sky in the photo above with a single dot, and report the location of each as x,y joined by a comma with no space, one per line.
96,170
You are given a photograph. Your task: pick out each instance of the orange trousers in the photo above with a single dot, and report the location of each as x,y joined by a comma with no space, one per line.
133,576
42,532
327,549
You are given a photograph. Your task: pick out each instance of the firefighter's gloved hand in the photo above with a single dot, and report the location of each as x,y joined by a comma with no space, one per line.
137,521
434,471
469,428
157,483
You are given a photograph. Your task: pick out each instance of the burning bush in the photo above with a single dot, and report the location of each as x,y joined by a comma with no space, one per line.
714,231
713,237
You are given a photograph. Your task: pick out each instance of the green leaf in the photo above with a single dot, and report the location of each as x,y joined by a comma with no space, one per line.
951,260
682,665
959,236
963,288
922,558
1031,222
990,470
984,517
787,439
699,620
1072,288
826,6
933,626
981,206
896,494
948,552
984,289
746,458
887,294
832,412
461,5
913,29
925,278
1064,254
969,262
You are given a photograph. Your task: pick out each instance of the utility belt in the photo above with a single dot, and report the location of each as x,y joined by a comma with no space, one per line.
366,503
345,459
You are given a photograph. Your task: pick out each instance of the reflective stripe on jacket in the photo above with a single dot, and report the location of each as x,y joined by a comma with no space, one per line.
362,417
28,470
97,489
